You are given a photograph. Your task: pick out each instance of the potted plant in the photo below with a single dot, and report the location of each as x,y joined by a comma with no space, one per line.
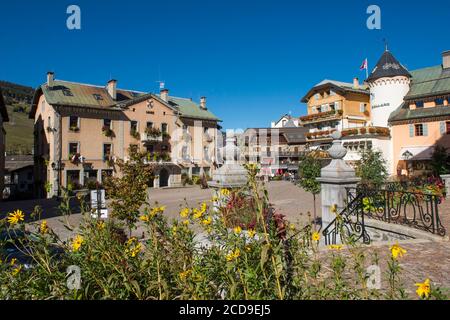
74,129
107,131
134,134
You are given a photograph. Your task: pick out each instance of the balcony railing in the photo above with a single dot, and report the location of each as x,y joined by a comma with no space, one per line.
321,116
145,137
351,132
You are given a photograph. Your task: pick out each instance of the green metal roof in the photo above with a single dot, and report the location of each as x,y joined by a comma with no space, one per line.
403,113
67,93
429,81
190,109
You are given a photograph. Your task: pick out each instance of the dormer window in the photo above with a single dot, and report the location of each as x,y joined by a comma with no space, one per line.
67,92
97,96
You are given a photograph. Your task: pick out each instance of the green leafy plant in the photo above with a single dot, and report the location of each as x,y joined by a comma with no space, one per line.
372,168
309,171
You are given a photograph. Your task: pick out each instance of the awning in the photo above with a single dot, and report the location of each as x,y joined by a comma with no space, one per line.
416,153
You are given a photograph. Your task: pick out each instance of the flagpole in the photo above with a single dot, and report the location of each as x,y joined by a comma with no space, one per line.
367,68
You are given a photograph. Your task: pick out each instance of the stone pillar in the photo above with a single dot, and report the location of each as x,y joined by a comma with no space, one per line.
446,179
334,179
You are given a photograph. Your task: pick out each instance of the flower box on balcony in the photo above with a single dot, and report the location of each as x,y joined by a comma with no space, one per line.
153,132
317,116
107,131
74,158
134,134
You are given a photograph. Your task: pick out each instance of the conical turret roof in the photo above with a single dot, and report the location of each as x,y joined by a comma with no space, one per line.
388,66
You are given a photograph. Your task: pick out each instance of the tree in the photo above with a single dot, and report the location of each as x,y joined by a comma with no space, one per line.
309,169
372,168
129,191
440,160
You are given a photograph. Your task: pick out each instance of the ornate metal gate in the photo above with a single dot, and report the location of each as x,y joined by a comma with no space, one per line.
415,210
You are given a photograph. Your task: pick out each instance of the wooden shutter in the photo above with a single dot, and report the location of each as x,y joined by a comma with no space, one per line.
443,127
425,129
411,130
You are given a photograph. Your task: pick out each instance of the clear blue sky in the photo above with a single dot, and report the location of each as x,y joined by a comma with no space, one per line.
254,60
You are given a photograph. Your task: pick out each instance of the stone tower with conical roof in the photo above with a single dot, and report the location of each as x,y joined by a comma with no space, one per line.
389,82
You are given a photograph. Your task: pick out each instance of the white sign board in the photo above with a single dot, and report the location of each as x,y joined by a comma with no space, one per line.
98,200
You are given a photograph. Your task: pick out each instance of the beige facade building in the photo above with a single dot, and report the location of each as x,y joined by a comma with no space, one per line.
81,130
3,118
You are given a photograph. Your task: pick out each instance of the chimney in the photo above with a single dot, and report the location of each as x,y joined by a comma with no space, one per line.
164,94
446,59
356,83
50,79
112,88
203,103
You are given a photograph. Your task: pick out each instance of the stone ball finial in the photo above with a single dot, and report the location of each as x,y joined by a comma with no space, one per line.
336,135
337,151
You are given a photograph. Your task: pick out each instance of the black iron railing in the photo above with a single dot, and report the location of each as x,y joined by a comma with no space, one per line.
416,210
413,209
349,223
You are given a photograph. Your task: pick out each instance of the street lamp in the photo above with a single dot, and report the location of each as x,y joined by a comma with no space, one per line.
57,167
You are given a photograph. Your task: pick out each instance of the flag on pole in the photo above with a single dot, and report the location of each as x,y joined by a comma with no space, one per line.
364,66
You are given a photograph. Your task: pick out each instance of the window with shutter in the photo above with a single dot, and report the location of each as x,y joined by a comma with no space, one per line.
425,129
411,130
442,127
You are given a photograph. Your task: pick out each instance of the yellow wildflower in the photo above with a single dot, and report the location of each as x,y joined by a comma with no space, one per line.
15,217
214,199
207,221
43,228
334,208
197,213
248,248
251,233
133,252
13,261
130,241
174,229
225,192
145,218
336,247
100,225
292,226
396,251
184,213
77,242
16,270
423,289
233,255
185,222
316,236
237,230
183,275
203,207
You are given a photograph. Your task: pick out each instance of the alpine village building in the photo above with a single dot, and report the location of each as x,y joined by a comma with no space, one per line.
404,114
3,118
80,131
277,149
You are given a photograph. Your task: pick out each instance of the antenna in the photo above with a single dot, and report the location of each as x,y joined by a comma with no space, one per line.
385,44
